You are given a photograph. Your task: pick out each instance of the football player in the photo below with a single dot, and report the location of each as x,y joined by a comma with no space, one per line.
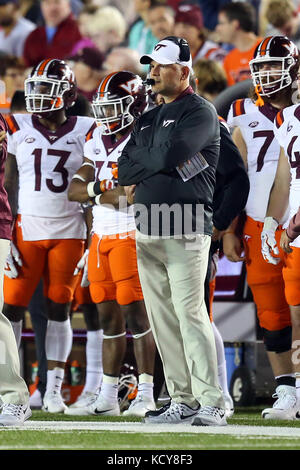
285,191
45,149
112,262
274,70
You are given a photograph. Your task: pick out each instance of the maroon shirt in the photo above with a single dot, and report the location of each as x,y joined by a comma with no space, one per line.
5,212
37,48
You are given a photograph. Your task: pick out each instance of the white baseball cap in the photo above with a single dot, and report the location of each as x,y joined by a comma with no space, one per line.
170,51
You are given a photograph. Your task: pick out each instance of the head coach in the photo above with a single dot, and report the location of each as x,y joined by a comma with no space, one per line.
171,158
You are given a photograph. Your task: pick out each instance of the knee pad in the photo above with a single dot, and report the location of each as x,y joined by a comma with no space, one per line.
60,294
128,293
278,341
99,293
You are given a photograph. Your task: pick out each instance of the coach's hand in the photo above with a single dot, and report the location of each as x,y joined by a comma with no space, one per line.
13,259
268,241
232,247
130,192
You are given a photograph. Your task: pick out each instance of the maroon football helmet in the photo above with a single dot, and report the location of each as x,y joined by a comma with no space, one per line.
275,64
121,98
51,86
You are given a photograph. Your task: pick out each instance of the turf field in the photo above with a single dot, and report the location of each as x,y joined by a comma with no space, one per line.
245,431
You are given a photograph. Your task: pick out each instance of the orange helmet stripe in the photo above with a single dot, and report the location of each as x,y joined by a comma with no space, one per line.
43,66
104,83
263,46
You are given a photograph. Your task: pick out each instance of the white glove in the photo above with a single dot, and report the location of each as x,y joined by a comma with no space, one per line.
83,264
12,259
268,241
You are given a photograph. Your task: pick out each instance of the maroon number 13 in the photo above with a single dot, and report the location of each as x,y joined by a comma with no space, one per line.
59,168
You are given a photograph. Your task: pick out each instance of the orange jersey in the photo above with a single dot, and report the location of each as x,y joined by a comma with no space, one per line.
236,64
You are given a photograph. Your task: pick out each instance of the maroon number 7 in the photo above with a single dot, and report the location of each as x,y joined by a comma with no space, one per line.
99,165
268,136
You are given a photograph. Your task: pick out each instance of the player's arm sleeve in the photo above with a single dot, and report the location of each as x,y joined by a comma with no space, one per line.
235,182
194,132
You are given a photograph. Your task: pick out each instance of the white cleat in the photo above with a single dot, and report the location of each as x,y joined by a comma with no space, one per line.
139,406
35,400
102,407
171,413
14,415
285,407
210,416
81,405
229,406
53,403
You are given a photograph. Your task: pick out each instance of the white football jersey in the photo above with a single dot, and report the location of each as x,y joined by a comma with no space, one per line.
103,151
46,162
256,125
287,134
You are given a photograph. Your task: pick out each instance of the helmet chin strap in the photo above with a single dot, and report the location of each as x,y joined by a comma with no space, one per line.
259,102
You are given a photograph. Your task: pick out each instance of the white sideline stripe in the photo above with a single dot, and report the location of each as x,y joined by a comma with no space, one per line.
131,427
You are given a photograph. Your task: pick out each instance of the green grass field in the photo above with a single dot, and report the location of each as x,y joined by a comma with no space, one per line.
245,431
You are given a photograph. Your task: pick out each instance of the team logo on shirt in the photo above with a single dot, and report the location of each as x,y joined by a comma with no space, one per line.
29,140
253,124
289,127
247,237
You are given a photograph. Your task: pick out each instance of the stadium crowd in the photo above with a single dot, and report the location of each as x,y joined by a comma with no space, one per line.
53,267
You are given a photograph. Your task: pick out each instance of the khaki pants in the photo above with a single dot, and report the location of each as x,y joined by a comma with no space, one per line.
13,388
172,273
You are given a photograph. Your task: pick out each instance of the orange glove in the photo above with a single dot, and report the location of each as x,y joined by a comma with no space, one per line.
114,170
106,185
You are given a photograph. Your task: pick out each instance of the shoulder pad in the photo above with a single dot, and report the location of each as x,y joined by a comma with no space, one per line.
11,124
238,107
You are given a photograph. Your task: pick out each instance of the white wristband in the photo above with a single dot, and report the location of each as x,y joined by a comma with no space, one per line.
270,224
97,199
90,189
